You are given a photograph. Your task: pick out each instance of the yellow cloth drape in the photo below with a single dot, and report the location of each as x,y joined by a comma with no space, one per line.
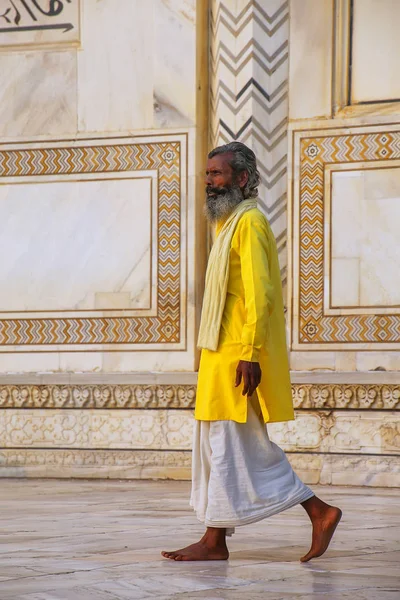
217,279
252,329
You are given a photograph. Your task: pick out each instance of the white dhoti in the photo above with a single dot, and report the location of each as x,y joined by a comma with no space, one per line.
239,476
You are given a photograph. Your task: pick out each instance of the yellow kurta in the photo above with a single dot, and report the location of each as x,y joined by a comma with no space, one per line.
252,329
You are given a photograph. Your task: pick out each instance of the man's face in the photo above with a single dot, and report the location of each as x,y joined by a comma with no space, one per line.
219,173
223,189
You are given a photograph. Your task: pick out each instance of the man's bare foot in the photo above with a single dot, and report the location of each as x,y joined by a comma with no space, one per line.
198,551
324,520
212,546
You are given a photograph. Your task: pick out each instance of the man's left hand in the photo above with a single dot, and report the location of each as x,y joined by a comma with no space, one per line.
251,374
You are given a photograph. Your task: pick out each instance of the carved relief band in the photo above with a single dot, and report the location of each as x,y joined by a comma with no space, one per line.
354,432
96,191
305,396
97,396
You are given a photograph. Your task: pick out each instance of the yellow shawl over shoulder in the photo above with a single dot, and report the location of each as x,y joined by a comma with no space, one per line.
217,279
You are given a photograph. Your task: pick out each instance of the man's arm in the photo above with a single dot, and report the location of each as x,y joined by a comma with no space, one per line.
258,294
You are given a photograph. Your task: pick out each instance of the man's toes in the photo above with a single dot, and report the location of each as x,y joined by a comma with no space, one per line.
311,554
305,558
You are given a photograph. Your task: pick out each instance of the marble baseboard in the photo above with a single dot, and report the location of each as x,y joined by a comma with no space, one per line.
110,464
347,469
339,469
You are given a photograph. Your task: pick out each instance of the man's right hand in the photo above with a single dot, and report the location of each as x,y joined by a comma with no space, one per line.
251,374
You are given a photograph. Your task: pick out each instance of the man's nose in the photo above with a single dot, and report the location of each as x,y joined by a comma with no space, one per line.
207,179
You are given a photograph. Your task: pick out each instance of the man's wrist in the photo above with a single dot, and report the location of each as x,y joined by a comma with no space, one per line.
250,354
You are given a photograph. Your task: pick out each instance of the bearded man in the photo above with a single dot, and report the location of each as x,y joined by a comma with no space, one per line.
239,476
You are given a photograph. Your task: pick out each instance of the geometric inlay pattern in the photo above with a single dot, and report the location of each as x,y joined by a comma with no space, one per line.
315,153
155,396
249,64
165,158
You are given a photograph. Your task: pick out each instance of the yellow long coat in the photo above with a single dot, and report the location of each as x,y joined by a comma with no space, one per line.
253,329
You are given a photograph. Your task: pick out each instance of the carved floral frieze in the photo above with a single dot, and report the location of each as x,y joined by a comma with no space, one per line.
305,396
97,396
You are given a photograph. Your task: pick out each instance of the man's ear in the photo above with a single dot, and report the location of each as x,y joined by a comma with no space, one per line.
242,178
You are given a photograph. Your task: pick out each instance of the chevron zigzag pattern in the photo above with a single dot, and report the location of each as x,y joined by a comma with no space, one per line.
315,153
249,94
165,157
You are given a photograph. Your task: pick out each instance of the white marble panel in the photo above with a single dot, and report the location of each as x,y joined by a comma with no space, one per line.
345,282
364,238
76,244
346,205
376,50
115,66
174,63
382,183
310,65
380,249
38,93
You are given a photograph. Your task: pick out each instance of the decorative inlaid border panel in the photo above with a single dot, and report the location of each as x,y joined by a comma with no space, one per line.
313,151
305,396
167,155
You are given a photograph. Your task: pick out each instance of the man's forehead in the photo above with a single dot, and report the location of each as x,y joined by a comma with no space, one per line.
220,160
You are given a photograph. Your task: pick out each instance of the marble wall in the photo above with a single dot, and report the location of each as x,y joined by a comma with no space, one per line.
98,130
375,66
343,206
344,264
103,136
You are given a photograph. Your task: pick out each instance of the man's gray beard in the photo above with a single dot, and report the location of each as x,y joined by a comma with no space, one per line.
219,207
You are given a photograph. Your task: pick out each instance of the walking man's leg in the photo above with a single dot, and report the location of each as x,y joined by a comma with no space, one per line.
324,519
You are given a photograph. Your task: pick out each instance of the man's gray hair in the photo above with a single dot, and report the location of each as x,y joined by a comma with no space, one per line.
243,159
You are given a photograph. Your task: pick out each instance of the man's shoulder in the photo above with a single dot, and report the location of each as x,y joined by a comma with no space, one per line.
254,216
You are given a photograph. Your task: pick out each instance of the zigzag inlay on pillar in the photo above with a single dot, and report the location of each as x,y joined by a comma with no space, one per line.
249,94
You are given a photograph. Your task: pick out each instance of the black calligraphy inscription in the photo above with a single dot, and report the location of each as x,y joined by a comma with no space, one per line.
33,15
55,7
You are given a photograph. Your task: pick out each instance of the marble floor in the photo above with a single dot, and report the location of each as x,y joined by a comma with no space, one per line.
101,540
